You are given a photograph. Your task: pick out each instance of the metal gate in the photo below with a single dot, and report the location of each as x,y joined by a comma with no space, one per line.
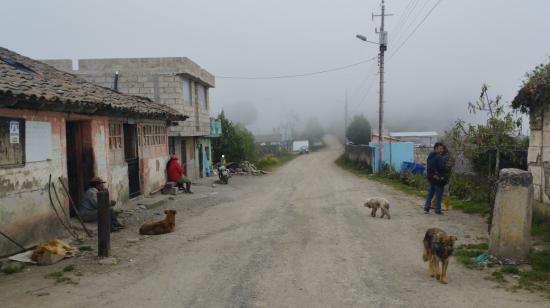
132,159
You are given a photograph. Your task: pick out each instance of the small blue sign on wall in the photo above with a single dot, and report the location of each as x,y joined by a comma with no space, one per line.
215,128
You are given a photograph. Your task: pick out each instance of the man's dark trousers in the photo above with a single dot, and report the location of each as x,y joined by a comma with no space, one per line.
437,191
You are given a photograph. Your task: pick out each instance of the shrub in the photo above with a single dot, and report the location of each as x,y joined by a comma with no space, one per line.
540,261
267,162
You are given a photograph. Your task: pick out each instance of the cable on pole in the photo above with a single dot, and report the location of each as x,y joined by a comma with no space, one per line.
415,29
300,75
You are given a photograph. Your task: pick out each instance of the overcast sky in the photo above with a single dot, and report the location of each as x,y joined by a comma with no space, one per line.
429,81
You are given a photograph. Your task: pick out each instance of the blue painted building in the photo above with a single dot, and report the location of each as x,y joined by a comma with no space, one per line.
395,153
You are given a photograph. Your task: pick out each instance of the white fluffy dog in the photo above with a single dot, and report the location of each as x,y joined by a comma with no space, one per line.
375,203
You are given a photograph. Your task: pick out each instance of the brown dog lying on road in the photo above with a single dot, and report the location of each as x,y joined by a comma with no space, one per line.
160,227
375,203
438,247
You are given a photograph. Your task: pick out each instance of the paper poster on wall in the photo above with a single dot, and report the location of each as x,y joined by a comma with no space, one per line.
14,132
38,141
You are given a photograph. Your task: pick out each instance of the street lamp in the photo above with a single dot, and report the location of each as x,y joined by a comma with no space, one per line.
382,46
364,39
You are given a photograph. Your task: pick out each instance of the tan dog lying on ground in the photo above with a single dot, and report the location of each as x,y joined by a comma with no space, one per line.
438,247
160,227
56,247
375,203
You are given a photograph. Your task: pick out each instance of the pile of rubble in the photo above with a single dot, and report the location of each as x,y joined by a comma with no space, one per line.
247,168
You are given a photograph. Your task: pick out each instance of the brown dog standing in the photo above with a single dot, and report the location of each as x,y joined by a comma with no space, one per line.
160,227
438,247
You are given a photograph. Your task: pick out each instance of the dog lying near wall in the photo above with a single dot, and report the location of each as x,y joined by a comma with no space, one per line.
167,225
438,248
56,247
375,203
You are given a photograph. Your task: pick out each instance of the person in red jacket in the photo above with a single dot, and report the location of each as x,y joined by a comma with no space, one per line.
176,173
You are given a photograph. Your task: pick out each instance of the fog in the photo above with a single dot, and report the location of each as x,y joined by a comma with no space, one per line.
429,81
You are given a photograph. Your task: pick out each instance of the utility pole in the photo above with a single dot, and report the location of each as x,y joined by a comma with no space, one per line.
346,119
383,41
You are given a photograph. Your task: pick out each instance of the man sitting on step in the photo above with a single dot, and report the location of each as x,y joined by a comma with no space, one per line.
88,206
176,173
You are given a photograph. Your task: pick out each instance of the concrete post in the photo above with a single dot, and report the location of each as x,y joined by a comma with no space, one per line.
510,233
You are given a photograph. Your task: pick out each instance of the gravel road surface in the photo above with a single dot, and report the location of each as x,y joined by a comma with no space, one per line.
299,237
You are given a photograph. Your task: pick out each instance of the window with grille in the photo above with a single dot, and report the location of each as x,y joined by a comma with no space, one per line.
154,134
115,136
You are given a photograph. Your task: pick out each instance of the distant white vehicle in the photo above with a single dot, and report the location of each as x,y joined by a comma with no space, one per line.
300,146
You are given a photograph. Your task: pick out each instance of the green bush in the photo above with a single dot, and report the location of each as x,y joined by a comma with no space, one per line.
464,188
418,181
267,162
510,269
540,261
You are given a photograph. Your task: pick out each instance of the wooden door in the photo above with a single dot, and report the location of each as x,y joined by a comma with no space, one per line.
80,159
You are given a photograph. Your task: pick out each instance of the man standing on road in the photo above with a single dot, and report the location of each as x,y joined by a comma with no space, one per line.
437,177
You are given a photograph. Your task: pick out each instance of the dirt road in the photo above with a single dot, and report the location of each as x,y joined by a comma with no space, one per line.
299,237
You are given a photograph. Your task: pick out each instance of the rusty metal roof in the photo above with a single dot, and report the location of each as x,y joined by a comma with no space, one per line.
29,84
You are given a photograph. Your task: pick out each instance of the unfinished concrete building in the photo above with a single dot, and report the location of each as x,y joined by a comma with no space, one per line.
176,82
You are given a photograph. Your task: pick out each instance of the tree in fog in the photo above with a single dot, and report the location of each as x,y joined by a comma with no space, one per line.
235,142
359,130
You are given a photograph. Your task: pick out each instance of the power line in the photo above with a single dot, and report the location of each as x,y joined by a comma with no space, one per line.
405,17
370,75
302,74
414,17
415,29
364,97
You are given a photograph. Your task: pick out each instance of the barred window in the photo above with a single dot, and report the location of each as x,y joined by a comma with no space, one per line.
154,134
115,136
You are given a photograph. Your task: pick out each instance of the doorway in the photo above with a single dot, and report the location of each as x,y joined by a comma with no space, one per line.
80,159
132,159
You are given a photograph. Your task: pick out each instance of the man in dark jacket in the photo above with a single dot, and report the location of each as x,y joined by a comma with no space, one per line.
437,177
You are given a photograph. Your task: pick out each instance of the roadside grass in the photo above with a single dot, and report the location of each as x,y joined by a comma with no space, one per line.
60,278
466,253
466,206
541,229
532,278
358,170
535,278
270,162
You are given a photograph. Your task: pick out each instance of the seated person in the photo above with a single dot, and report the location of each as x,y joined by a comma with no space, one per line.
88,206
176,173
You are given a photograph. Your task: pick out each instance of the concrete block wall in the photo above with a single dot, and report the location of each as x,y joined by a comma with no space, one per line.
538,158
160,79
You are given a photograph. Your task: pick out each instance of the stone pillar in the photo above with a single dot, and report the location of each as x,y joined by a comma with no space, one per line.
510,238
